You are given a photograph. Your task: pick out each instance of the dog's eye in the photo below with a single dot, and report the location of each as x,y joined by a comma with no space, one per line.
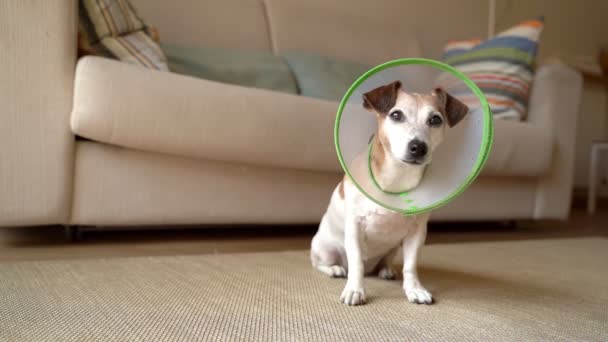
396,115
435,120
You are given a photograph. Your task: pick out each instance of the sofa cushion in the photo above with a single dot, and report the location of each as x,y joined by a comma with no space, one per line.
144,109
259,69
113,29
323,77
503,67
119,186
118,104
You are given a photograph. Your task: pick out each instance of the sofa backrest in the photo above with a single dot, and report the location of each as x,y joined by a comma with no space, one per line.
215,23
338,30
365,31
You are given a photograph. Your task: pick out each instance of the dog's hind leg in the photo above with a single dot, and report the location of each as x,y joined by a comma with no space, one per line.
334,271
327,257
385,266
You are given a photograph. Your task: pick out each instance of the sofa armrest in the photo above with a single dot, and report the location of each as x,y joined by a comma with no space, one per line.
554,104
37,59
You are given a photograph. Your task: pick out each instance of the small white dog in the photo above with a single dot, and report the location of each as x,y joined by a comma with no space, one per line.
358,237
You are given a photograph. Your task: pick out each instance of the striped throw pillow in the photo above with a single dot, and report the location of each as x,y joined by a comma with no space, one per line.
503,67
112,28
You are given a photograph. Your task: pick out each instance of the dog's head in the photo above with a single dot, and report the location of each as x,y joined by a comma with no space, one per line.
411,125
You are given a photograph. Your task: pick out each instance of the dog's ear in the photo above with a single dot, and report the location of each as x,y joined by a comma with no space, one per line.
381,99
454,110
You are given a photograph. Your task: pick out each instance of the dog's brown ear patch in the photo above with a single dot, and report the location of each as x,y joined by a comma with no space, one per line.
455,110
381,99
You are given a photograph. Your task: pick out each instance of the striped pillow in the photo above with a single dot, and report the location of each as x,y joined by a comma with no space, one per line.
112,28
503,67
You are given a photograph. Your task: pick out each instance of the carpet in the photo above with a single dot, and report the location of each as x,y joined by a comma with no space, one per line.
500,291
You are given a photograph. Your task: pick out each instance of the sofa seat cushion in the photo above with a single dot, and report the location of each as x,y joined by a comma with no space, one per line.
115,186
116,103
119,104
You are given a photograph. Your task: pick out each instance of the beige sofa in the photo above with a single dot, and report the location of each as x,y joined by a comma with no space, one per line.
168,149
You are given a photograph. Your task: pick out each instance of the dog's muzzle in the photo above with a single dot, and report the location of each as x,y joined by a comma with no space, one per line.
416,152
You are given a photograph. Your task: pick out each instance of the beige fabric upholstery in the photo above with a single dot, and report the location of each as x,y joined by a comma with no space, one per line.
159,112
37,58
373,32
117,186
554,103
353,29
519,149
492,198
128,106
331,30
535,290
239,24
220,153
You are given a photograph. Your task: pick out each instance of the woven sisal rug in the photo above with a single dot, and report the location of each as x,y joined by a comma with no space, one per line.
526,290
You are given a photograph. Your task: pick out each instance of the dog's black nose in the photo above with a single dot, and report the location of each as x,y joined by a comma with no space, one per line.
417,148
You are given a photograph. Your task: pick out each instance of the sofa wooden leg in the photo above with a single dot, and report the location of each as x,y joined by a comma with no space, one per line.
73,233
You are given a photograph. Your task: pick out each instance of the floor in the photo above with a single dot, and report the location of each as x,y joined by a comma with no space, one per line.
534,290
45,243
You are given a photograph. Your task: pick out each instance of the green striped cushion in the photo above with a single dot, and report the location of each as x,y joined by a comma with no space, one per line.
503,67
112,28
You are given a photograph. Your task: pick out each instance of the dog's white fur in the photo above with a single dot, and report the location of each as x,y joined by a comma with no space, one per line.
358,237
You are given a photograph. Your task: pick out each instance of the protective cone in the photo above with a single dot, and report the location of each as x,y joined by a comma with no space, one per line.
455,163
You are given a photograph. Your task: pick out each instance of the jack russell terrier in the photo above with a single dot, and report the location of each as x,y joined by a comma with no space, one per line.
358,237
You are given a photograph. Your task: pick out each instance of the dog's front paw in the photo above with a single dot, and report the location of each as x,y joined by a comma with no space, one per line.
353,296
418,295
386,273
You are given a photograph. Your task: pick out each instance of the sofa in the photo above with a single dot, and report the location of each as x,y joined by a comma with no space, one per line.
96,142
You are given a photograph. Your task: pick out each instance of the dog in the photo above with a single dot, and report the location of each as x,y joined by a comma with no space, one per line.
358,237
